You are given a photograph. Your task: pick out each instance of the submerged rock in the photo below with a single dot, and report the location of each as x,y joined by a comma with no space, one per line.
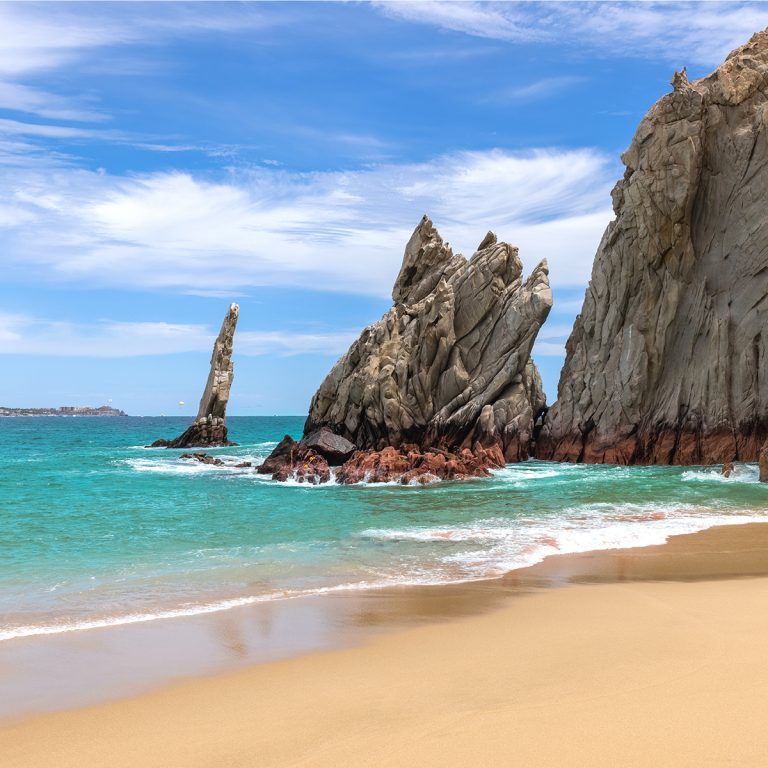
203,458
666,363
206,458
209,428
446,369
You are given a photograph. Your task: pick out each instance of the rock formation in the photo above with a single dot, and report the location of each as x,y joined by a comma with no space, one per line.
762,460
209,428
446,370
666,363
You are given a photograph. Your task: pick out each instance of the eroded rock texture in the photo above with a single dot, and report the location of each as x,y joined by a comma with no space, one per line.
667,360
209,428
448,367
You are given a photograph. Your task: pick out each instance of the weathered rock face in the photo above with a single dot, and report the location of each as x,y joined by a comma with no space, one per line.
209,428
762,460
667,360
443,386
449,365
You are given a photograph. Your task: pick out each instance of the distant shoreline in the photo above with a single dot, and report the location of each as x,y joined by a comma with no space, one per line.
63,411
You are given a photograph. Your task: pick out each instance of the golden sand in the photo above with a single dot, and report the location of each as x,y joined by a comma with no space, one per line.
628,671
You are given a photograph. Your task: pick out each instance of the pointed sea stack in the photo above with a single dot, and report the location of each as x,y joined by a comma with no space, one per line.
209,428
668,360
443,385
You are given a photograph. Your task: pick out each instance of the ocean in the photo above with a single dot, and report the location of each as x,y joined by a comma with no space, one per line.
97,530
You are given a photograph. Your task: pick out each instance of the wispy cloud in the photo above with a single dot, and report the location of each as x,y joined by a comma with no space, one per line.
22,128
538,89
338,231
551,339
41,36
702,33
27,335
497,21
288,344
18,97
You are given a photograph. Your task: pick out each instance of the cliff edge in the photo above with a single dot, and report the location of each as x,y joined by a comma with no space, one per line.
666,363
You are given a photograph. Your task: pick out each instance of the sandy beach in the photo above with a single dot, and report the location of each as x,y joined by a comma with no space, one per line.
648,657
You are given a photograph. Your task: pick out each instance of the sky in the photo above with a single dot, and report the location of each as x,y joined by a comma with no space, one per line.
160,160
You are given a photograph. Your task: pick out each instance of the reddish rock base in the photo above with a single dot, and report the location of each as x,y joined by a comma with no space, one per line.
407,465
665,446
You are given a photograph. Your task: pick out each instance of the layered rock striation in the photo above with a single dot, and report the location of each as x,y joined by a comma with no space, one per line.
209,428
444,382
666,363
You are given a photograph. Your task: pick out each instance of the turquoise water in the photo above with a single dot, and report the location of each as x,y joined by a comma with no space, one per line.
95,529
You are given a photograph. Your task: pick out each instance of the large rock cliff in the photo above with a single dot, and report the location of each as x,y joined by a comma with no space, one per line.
209,428
450,363
667,362
446,370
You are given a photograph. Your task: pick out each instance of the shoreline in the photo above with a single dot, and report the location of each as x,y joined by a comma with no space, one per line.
77,669
651,656
201,604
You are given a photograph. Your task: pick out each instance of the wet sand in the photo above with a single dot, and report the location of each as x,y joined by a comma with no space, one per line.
649,657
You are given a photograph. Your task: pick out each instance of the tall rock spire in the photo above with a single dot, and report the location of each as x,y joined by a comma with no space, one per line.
209,428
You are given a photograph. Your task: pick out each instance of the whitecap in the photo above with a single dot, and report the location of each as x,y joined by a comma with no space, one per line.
181,467
742,473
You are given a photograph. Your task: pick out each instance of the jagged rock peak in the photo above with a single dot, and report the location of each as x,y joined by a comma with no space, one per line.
427,260
667,360
449,364
209,428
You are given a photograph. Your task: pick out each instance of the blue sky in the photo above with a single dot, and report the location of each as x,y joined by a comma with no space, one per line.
160,160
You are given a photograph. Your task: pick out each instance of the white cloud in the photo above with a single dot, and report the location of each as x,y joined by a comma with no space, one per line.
551,339
24,98
21,128
498,21
340,231
26,335
35,37
548,349
702,33
538,89
288,343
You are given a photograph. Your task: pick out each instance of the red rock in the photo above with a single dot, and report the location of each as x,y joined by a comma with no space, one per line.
414,466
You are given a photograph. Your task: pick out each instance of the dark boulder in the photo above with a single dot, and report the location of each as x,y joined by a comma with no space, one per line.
332,447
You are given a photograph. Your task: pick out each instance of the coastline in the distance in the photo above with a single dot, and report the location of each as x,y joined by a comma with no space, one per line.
64,410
